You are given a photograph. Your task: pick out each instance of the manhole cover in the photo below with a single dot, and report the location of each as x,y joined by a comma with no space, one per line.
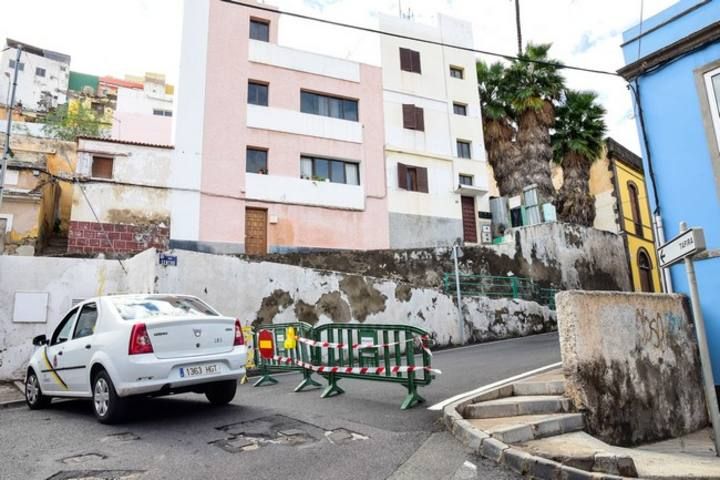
97,475
84,457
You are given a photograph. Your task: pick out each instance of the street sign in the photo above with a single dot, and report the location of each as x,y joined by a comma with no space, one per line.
265,344
688,243
168,260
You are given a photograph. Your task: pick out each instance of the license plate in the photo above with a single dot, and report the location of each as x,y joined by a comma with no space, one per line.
198,370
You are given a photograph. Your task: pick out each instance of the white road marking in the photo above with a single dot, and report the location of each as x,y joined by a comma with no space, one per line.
501,383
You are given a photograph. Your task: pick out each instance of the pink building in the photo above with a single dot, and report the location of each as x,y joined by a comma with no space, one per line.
276,149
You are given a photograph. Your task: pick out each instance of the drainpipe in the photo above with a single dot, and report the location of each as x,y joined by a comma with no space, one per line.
660,240
6,152
461,320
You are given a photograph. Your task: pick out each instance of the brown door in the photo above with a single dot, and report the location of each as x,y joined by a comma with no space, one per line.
255,231
468,217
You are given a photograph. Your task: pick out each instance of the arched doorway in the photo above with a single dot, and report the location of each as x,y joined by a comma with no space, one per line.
645,270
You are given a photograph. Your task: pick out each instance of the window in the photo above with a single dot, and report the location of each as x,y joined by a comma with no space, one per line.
635,208
411,178
139,308
62,332
410,60
466,179
40,72
457,72
328,106
463,149
256,161
258,93
413,117
102,167
460,109
336,171
85,325
260,30
21,65
156,111
645,271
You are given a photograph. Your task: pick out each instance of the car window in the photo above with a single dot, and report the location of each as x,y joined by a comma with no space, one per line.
85,325
138,308
62,332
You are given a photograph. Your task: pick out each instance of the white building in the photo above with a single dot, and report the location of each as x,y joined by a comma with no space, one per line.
435,156
42,78
144,114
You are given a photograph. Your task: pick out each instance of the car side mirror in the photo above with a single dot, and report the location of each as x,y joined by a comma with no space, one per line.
40,340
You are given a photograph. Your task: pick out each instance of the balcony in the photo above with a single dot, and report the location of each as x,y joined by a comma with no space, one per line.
297,191
298,123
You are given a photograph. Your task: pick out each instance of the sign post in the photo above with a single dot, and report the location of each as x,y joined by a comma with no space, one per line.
690,242
266,348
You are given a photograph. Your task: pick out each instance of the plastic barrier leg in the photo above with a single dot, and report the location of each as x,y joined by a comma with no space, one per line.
266,378
307,382
332,389
413,397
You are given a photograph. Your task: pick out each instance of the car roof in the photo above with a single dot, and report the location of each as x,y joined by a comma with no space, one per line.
136,295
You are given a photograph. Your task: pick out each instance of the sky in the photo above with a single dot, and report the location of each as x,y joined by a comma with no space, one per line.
118,37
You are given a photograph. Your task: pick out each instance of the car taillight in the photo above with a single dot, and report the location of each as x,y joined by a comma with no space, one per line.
139,340
239,339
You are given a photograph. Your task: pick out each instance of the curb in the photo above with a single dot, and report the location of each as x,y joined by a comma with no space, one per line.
14,403
513,458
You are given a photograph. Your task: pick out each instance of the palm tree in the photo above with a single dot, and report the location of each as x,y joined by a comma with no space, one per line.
499,131
577,142
536,84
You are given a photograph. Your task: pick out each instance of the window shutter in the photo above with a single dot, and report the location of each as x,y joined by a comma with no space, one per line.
419,119
405,59
422,180
409,120
402,176
415,58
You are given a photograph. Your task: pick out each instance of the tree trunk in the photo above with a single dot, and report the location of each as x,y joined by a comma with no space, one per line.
503,155
575,204
533,139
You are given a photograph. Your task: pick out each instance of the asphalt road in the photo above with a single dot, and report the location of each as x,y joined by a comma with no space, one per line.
359,435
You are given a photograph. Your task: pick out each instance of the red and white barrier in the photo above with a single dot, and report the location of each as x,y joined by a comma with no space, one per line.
355,370
356,346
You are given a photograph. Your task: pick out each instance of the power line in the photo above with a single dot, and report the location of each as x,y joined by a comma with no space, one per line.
415,39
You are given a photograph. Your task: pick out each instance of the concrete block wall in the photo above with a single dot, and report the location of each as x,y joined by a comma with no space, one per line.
93,237
631,365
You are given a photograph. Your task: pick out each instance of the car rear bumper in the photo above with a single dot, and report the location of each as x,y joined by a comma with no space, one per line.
146,374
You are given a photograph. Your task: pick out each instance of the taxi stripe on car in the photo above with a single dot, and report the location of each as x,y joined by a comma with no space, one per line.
54,373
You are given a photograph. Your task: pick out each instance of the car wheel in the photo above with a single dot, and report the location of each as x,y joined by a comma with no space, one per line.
221,393
33,393
107,405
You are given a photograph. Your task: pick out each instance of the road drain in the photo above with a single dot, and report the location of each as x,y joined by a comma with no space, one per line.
98,475
279,430
85,457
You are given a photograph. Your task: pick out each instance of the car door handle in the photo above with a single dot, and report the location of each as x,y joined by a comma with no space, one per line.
88,346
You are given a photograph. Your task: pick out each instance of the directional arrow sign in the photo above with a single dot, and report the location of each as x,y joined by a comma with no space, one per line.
689,242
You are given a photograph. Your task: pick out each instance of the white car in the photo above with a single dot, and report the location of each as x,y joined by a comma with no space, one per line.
113,347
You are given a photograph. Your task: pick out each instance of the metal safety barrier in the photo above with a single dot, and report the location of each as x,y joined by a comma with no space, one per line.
499,287
385,353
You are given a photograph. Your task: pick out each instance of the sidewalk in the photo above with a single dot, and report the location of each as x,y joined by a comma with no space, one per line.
532,428
10,394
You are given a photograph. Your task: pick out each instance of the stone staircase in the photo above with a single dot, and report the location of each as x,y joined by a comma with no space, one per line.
56,247
524,411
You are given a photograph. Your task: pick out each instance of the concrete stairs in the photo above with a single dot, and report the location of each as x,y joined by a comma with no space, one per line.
525,411
56,247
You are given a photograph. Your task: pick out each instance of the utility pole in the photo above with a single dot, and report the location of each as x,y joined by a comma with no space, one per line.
6,150
517,26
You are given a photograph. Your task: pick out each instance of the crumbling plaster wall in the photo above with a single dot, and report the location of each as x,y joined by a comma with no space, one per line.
631,364
554,254
65,280
263,292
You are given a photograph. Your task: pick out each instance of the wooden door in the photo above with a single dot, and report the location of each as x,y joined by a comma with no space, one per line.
468,219
255,231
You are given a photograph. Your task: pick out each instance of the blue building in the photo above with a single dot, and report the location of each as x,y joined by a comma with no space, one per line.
673,68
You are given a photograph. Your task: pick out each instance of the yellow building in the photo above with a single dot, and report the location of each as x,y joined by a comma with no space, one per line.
617,182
